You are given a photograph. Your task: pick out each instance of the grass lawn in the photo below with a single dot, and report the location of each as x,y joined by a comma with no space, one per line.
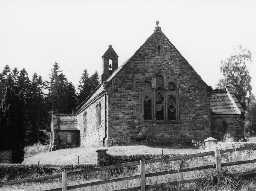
89,155
64,157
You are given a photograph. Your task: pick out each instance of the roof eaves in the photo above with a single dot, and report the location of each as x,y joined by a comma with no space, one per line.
81,104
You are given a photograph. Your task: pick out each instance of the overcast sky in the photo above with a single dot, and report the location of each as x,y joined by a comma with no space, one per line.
75,33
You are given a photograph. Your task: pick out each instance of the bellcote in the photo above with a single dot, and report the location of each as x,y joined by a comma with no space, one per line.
110,63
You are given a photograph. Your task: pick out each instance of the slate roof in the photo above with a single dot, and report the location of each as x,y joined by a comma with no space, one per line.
110,51
223,102
99,91
67,122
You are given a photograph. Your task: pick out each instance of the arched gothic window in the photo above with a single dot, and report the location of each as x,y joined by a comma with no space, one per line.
160,101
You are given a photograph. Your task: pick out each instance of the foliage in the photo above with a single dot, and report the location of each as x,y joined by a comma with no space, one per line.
206,180
236,75
12,125
251,117
62,96
25,104
20,116
35,149
87,85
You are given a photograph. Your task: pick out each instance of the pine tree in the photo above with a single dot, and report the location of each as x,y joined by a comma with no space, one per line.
11,119
83,87
37,110
94,81
87,85
62,96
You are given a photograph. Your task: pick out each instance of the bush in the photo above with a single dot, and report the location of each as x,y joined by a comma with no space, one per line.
34,149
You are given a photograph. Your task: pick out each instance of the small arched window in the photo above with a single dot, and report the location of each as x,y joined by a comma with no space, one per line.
84,123
110,64
98,114
147,107
159,82
158,49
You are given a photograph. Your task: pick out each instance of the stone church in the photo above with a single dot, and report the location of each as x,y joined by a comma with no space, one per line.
154,98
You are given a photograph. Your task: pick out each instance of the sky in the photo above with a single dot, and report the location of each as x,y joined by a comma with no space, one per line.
75,33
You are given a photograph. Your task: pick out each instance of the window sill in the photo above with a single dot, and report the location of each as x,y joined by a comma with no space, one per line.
163,121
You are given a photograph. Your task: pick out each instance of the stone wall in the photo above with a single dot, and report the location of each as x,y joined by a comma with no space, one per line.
125,91
106,159
227,127
92,132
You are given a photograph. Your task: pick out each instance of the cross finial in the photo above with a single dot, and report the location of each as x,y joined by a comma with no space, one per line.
157,28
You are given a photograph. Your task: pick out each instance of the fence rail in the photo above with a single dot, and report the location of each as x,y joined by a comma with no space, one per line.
218,165
38,179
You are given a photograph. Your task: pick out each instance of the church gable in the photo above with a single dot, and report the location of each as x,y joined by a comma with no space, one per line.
156,97
159,46
157,93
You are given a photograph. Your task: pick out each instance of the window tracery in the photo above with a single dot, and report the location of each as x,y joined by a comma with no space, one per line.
160,100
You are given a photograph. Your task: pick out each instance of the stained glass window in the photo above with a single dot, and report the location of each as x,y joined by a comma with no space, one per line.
159,101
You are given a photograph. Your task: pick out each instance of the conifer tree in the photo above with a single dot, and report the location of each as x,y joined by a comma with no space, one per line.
87,85
62,96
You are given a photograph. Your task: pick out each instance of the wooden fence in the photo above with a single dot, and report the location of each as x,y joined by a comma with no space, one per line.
142,176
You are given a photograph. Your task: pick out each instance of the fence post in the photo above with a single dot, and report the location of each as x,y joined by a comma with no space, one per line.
64,180
142,175
218,160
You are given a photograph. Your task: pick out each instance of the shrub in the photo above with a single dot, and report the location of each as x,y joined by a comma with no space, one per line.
34,149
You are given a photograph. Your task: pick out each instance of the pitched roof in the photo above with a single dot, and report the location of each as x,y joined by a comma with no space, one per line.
98,91
101,88
222,102
110,51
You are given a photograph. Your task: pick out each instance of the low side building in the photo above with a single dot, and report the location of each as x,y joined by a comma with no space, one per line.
64,131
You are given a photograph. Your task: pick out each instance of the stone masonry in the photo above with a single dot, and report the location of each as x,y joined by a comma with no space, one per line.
155,98
157,56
